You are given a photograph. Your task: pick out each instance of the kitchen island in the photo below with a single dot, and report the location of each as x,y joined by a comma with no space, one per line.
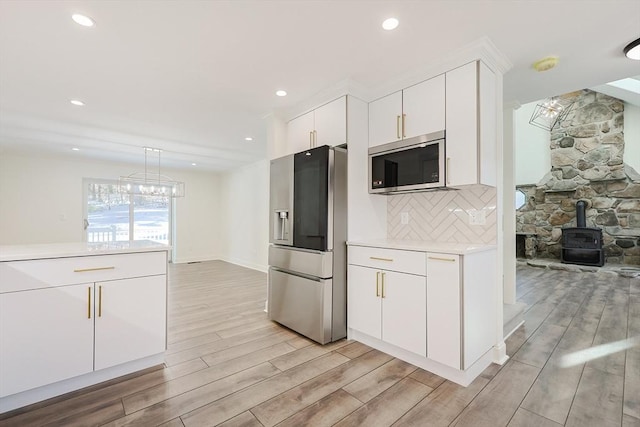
76,314
431,304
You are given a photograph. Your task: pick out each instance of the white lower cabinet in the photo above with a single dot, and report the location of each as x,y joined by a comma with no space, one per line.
443,309
46,335
460,307
439,306
130,320
54,332
388,305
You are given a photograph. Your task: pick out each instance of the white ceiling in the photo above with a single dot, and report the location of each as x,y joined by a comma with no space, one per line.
196,77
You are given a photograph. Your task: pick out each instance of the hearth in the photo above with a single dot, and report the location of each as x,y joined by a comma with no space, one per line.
582,245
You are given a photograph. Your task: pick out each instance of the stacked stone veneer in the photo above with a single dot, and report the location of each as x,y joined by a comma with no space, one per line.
587,153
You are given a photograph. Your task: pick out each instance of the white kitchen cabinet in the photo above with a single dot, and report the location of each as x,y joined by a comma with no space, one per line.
471,125
386,304
130,319
413,111
46,335
67,318
385,115
326,125
460,307
364,307
443,309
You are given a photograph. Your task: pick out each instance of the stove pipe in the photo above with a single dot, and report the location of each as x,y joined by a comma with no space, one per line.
581,214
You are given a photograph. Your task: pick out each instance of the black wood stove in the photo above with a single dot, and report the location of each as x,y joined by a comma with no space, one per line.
581,244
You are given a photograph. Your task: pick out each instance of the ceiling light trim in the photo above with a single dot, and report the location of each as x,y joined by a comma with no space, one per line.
632,50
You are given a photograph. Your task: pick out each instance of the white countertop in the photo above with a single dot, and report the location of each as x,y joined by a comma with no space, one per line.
64,250
423,246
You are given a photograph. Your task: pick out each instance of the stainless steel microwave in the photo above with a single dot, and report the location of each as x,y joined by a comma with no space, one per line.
411,164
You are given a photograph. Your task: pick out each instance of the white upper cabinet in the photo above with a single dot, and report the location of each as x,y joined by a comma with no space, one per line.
423,107
414,111
300,133
331,123
385,115
326,125
471,126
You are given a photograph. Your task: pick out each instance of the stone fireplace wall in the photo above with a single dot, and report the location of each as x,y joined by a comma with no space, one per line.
587,163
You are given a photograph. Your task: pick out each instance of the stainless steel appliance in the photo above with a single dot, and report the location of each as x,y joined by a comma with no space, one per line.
308,231
411,164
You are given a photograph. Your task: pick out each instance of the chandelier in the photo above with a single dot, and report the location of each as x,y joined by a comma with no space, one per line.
551,111
150,183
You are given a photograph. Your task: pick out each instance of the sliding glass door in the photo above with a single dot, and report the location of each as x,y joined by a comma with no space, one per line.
111,216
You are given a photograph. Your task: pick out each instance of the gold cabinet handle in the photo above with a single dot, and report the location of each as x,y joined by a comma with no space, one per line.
447,171
404,119
442,259
89,302
377,283
99,301
381,259
83,270
383,284
398,126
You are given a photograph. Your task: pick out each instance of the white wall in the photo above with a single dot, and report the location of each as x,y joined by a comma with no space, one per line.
533,155
632,136
244,216
367,213
532,152
41,202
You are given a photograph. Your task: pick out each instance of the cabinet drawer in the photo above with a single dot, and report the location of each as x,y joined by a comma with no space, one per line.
43,273
389,259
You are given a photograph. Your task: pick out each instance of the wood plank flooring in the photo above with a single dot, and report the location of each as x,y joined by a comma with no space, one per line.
575,362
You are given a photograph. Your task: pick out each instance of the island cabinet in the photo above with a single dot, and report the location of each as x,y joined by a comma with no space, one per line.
413,111
63,318
432,309
325,125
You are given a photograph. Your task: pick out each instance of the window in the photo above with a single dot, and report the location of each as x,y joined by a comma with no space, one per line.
521,199
113,216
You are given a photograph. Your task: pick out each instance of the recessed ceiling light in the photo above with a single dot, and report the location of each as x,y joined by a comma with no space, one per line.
77,102
75,149
632,50
248,138
194,164
390,24
83,20
281,92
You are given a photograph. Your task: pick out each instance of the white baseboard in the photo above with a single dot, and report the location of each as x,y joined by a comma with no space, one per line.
247,264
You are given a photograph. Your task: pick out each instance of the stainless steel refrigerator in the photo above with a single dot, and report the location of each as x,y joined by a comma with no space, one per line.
308,231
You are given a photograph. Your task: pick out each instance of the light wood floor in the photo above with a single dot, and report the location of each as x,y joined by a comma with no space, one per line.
227,364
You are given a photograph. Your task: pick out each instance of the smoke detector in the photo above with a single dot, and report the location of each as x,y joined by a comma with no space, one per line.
545,64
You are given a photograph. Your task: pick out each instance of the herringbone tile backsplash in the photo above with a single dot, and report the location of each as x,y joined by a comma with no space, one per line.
443,216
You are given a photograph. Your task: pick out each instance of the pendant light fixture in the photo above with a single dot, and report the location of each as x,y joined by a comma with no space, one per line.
150,183
551,111
632,50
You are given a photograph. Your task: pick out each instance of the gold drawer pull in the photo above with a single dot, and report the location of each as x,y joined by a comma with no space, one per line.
377,283
383,284
82,270
89,303
442,259
381,259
